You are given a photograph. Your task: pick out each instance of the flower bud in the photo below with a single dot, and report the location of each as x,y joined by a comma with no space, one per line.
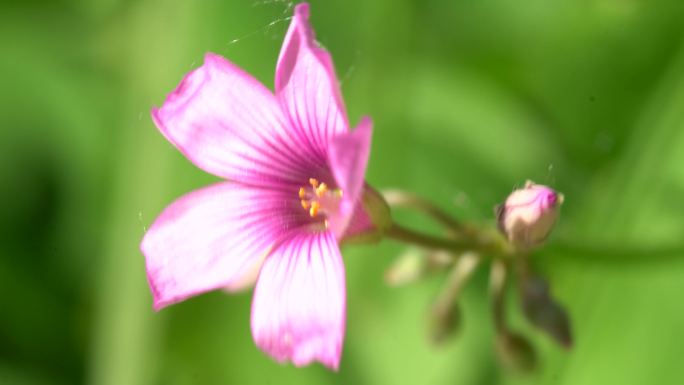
528,215
445,322
407,268
414,264
542,310
515,352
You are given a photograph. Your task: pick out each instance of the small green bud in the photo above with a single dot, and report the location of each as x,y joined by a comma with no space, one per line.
407,268
516,352
414,263
445,322
544,312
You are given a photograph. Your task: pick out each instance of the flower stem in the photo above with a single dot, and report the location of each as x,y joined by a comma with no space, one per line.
445,312
497,285
457,278
404,234
398,198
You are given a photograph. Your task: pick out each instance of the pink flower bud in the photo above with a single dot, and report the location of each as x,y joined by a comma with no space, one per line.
528,215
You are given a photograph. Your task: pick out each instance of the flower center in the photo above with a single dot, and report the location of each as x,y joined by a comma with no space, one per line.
319,200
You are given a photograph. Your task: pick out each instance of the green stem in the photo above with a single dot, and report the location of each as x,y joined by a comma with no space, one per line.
403,234
458,276
398,198
445,313
497,285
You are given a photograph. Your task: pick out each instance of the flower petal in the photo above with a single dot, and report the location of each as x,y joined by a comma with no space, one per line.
212,238
349,154
306,85
230,125
298,310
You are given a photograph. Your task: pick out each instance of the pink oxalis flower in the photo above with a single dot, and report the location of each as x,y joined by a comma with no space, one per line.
295,176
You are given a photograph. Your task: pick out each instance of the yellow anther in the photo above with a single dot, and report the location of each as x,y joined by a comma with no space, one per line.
313,182
315,206
321,189
305,204
302,192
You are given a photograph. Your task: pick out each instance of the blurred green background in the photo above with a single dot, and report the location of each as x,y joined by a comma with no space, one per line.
469,99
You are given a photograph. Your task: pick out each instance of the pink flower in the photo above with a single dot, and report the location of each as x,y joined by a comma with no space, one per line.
296,174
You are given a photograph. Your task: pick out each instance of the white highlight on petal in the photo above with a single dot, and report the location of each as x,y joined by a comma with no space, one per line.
298,310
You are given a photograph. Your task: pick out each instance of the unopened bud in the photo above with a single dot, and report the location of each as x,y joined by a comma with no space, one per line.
445,322
516,352
528,215
544,312
407,268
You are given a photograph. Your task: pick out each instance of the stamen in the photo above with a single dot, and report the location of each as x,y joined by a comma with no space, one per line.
315,206
319,200
322,189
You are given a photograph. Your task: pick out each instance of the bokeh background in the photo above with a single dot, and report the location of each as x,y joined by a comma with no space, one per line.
469,98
